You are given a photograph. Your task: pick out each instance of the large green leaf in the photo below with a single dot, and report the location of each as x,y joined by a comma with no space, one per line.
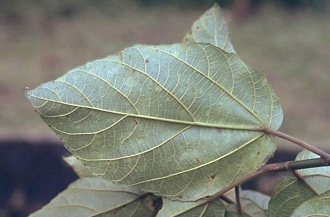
182,120
188,209
318,178
93,196
317,206
288,194
211,28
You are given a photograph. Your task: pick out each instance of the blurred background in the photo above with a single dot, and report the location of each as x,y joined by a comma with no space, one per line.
288,40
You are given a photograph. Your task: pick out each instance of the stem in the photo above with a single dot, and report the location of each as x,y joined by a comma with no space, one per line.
238,201
299,142
268,168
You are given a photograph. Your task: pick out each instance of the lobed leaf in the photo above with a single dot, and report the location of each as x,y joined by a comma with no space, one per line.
93,196
211,28
317,178
181,120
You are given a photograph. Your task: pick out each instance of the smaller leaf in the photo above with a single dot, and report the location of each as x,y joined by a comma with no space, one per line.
318,178
249,209
181,209
317,206
80,169
211,28
94,196
288,194
258,198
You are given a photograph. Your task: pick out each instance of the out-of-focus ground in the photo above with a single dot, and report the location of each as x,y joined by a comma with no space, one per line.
38,44
291,47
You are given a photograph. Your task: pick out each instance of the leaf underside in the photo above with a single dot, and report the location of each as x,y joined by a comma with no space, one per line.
181,120
93,196
317,178
78,167
211,28
317,206
289,193
261,200
187,209
249,208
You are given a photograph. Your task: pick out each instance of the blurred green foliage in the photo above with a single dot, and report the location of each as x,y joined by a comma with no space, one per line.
289,4
67,8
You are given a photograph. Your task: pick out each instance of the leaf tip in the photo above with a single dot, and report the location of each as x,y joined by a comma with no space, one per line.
26,92
215,5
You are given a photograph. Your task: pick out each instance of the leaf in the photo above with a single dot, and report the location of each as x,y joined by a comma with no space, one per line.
156,116
93,196
181,209
317,206
78,166
249,209
289,193
211,28
258,198
318,178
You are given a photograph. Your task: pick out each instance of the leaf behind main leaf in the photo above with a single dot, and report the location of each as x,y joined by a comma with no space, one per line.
93,196
78,167
182,120
188,209
249,207
317,178
289,193
211,28
317,206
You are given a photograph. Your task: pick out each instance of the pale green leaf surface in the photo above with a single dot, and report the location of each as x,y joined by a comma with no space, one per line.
79,168
258,198
288,194
317,206
156,116
250,209
318,178
94,196
187,209
211,28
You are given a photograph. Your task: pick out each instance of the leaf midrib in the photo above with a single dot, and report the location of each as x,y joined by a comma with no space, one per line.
186,109
196,123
